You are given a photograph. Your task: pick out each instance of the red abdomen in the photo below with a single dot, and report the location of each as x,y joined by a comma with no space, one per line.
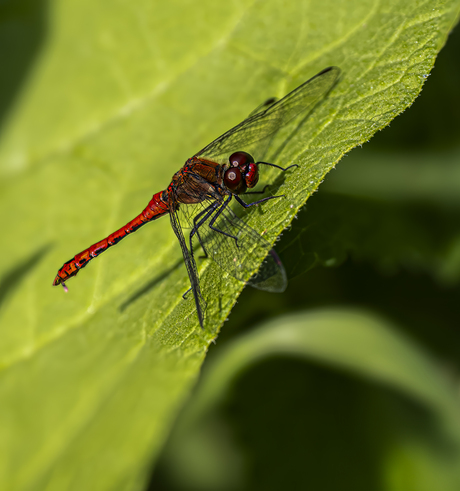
155,209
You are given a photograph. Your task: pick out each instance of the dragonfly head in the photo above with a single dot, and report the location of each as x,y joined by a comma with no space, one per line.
243,173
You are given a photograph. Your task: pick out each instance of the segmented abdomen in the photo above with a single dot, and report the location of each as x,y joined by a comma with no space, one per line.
155,209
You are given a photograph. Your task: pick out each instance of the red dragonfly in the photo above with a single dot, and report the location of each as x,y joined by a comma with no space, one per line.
201,191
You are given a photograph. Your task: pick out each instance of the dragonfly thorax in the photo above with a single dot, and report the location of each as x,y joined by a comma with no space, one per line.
243,173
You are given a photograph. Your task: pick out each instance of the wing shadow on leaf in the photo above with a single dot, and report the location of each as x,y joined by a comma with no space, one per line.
148,286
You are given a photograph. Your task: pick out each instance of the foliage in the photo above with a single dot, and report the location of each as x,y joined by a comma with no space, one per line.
110,99
352,344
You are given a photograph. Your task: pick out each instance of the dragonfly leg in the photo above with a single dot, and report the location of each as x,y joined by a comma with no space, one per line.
207,212
248,205
184,296
216,216
259,192
277,166
205,254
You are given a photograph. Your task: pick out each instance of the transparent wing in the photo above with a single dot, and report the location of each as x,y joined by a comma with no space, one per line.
264,106
237,248
265,121
190,264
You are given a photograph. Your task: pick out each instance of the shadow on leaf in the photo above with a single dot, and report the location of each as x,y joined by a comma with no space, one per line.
12,278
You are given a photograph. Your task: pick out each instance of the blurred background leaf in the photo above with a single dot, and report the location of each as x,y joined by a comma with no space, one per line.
94,97
401,430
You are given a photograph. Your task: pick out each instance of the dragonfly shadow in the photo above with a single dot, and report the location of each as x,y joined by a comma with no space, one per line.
148,286
13,277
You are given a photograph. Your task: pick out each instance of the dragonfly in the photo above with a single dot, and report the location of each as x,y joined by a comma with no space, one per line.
200,193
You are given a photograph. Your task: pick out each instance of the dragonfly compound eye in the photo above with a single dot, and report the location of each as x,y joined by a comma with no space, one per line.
234,180
240,159
252,175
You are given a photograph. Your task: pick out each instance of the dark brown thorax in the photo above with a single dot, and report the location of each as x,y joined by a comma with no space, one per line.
198,180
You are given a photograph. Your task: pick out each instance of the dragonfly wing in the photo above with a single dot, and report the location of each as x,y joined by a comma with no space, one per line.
264,106
263,122
239,250
190,264
271,276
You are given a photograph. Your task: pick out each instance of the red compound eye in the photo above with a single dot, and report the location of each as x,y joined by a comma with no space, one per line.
233,180
240,159
252,175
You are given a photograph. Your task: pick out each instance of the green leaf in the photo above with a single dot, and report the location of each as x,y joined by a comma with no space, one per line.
203,453
115,100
